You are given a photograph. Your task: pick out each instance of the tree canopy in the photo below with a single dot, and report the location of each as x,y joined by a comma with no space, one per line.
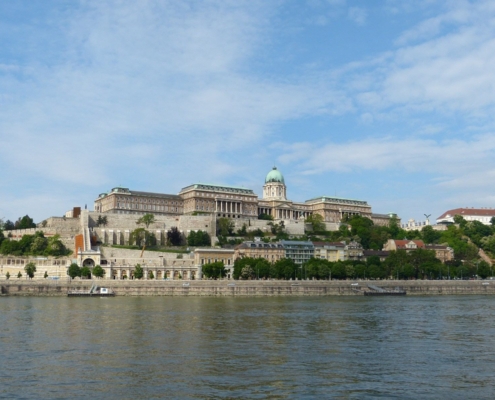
215,270
30,269
198,238
146,219
35,245
175,237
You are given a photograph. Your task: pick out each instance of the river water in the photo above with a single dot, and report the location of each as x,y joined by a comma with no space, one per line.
288,347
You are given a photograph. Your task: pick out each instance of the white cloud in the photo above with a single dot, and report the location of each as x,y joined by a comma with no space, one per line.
358,15
457,161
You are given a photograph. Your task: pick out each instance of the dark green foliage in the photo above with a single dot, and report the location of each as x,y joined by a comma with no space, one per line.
265,217
199,238
138,272
316,220
98,271
225,227
141,237
85,272
215,270
25,222
175,237
252,268
34,245
45,274
30,269
242,231
483,270
102,220
7,275
19,275
74,270
146,219
430,235
8,225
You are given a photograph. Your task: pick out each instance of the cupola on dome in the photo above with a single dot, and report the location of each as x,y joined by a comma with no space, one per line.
274,176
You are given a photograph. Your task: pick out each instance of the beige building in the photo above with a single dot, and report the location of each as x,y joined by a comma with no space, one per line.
330,251
208,256
443,253
259,249
235,202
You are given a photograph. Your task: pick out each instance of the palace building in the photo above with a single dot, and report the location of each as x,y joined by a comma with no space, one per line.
235,202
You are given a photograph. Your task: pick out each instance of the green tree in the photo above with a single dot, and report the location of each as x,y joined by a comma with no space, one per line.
199,238
8,225
265,217
215,270
85,272
418,258
484,270
142,237
19,275
74,270
174,237
98,271
317,222
45,275
430,235
30,269
394,226
459,219
25,222
225,226
338,270
7,275
39,244
102,220
55,247
285,268
152,275
146,219
138,271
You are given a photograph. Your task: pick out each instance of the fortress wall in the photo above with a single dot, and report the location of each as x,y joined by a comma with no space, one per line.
67,228
120,226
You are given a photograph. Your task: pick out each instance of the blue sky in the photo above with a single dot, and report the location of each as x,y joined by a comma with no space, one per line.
388,101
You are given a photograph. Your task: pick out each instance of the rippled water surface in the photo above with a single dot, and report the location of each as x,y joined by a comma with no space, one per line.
191,347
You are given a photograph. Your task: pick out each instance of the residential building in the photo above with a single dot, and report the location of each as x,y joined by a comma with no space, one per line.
483,215
443,253
272,252
298,251
330,251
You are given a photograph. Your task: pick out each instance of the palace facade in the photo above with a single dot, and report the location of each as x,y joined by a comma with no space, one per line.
235,202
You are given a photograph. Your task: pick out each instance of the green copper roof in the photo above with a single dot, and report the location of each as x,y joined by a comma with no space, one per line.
274,176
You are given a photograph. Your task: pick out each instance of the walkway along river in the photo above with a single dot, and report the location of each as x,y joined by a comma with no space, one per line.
43,287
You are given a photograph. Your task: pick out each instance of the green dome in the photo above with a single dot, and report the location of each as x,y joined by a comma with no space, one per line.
274,176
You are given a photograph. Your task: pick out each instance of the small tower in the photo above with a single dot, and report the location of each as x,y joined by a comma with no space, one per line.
274,188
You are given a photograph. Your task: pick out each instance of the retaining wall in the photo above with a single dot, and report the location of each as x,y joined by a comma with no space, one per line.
14,287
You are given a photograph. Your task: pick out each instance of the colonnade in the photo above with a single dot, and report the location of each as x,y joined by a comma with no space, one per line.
230,207
283,213
127,272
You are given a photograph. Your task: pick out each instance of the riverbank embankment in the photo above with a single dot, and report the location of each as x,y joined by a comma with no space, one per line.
44,287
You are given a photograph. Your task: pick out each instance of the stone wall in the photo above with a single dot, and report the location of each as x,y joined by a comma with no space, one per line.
117,256
240,288
292,227
120,226
67,228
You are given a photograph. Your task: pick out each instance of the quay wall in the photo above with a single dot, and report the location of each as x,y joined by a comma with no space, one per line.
45,287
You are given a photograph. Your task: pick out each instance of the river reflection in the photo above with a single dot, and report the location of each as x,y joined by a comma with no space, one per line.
192,347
